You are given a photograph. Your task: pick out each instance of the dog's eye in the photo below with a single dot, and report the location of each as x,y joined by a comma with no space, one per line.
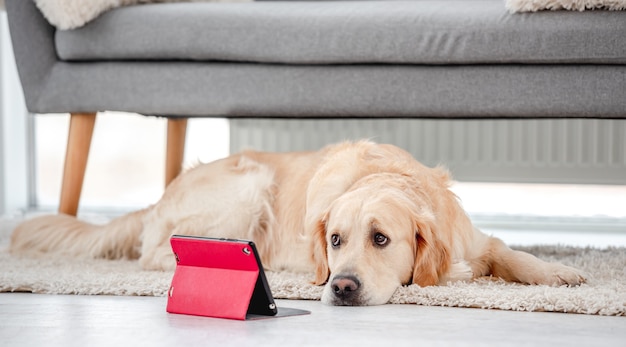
380,239
335,240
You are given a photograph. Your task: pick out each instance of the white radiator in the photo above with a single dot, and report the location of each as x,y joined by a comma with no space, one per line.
518,150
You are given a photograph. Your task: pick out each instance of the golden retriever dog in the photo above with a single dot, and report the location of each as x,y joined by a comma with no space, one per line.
361,218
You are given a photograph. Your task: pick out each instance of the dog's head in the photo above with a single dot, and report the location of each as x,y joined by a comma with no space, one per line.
385,231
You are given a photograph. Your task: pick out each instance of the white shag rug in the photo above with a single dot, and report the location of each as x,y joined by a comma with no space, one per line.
71,14
605,294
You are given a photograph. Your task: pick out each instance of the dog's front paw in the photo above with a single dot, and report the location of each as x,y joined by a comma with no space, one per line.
558,275
460,270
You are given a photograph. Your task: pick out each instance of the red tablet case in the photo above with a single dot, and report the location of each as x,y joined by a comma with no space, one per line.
218,278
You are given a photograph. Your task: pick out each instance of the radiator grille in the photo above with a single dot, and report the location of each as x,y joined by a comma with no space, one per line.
521,150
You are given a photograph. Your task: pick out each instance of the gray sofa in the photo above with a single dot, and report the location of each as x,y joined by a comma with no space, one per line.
423,58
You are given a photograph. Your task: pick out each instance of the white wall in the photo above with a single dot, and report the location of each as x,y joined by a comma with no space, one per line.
13,130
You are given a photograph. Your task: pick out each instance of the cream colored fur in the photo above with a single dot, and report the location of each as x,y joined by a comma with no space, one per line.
396,220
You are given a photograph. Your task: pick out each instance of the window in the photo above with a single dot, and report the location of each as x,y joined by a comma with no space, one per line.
126,166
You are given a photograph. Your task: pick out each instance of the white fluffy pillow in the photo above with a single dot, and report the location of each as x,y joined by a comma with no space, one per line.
71,14
573,5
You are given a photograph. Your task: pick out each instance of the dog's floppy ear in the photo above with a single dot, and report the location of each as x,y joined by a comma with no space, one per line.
432,258
435,227
319,253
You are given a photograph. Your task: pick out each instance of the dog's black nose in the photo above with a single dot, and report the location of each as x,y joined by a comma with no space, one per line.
345,287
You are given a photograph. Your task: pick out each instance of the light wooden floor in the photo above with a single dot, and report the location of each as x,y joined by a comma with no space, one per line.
59,320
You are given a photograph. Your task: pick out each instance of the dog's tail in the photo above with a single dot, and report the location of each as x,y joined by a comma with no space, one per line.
63,234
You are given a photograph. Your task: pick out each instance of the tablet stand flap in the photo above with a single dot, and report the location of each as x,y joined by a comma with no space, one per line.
221,293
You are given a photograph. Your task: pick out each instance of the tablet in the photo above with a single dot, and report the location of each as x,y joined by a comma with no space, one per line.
221,278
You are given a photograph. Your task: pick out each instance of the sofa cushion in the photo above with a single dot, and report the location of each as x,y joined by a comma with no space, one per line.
328,32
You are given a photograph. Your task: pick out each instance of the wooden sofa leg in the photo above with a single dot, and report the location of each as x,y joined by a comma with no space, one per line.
176,132
78,143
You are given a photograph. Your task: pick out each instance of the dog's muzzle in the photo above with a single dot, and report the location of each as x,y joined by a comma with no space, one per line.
346,290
